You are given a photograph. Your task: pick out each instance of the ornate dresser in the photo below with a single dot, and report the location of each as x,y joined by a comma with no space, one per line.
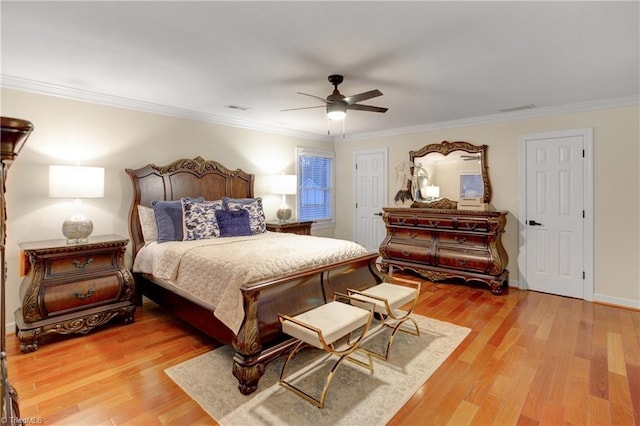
73,288
443,244
438,237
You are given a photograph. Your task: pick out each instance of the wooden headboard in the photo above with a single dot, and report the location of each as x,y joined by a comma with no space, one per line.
183,178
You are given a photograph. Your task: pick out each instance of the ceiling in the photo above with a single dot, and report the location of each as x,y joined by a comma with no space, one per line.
434,62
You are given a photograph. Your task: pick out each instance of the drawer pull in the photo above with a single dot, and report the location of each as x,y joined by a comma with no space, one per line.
413,235
470,227
433,224
79,265
460,240
87,295
461,262
406,253
401,220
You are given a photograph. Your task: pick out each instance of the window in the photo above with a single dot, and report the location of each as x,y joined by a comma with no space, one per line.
315,185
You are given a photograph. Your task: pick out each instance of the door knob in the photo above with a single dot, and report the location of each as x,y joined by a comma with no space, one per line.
534,223
378,214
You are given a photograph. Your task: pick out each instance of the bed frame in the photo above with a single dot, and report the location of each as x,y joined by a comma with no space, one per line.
260,339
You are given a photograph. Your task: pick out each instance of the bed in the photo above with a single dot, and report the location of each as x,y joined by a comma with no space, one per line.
254,332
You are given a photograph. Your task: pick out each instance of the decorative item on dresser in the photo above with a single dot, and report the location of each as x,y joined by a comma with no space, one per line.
73,288
435,237
291,227
15,133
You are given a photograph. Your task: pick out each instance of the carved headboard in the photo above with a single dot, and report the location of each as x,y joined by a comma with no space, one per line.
183,178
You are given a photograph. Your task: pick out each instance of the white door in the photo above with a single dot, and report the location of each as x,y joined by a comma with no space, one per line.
371,197
554,225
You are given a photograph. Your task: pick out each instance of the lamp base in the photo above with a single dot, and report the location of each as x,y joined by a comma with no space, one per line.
283,214
77,229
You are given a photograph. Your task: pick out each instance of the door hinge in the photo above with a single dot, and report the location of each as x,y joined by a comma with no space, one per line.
583,215
356,205
583,153
584,275
356,166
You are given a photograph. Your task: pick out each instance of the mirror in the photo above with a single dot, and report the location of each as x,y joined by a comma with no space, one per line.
445,172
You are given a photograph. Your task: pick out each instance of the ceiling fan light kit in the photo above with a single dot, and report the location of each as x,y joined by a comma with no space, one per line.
336,111
338,104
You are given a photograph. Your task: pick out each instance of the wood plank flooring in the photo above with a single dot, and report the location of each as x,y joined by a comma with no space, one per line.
531,359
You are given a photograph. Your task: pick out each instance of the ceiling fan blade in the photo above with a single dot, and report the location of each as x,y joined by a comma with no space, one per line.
350,100
367,108
294,109
316,97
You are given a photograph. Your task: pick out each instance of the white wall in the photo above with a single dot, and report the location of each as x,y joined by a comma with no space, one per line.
616,182
67,131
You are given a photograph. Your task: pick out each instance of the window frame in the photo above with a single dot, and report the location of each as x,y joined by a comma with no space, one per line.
310,152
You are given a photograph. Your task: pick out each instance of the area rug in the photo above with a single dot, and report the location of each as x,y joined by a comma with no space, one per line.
356,396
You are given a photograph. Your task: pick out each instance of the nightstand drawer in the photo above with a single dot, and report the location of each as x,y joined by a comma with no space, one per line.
65,298
80,263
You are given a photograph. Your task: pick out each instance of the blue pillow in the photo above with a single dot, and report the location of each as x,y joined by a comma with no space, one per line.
233,223
169,219
253,206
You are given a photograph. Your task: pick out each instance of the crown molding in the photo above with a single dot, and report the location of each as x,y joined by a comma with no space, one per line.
619,102
12,82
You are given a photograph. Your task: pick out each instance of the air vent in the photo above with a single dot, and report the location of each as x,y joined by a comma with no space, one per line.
238,107
518,108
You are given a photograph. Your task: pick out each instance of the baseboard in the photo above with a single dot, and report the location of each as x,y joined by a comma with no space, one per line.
616,301
10,328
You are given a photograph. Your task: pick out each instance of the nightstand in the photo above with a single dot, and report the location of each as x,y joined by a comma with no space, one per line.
292,227
73,288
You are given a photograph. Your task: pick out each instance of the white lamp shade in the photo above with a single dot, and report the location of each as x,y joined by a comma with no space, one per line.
284,184
76,182
432,191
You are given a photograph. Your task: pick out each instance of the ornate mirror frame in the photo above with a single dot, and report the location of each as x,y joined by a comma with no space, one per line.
445,148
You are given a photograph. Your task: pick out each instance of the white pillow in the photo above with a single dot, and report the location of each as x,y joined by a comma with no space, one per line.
148,224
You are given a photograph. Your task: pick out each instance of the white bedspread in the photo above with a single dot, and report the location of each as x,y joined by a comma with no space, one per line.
215,269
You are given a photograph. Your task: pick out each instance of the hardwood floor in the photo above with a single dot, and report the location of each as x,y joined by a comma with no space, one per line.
530,359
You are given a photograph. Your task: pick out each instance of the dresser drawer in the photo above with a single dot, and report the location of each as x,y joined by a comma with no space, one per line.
460,239
418,235
417,253
473,224
64,298
399,219
464,259
76,263
435,222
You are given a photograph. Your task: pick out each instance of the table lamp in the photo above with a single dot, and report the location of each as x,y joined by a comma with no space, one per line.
284,185
76,182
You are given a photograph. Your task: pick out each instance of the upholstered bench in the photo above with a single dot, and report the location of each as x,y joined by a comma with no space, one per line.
322,327
388,297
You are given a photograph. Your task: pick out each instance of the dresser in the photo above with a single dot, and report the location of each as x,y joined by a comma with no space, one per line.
447,244
73,288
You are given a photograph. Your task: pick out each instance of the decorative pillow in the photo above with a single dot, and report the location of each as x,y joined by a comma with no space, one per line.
148,223
233,223
169,219
200,219
257,220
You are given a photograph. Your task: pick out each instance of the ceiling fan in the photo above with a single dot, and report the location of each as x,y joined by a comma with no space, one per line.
337,104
